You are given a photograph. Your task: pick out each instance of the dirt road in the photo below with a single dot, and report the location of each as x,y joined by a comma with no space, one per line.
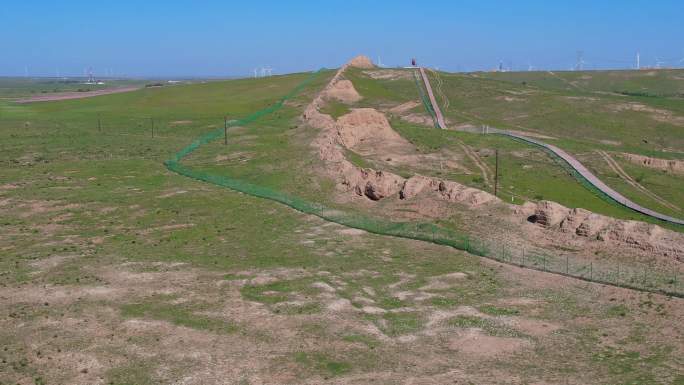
75,95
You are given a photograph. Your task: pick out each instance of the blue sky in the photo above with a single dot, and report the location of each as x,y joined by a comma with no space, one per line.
222,38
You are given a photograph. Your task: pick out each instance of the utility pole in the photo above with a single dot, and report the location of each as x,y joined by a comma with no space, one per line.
225,130
496,172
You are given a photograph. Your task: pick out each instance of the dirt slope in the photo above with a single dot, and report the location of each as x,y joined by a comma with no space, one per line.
670,165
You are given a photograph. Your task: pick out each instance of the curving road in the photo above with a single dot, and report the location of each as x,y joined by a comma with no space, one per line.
569,159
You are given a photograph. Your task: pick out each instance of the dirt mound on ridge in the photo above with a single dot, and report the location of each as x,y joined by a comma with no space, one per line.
583,225
447,190
671,165
361,61
344,91
367,125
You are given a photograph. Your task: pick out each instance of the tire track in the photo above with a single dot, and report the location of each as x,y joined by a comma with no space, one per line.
615,166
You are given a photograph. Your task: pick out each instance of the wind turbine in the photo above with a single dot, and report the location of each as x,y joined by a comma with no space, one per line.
638,61
580,61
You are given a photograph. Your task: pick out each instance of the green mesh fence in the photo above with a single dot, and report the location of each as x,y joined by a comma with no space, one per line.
645,280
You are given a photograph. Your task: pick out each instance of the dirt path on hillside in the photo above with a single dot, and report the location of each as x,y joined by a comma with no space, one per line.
473,156
631,181
75,95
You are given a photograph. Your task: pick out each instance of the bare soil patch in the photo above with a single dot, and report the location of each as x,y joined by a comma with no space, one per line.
658,114
75,95
669,165
180,122
389,74
404,107
344,91
474,342
419,118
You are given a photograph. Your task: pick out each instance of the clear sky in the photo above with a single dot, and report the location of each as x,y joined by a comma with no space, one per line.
222,38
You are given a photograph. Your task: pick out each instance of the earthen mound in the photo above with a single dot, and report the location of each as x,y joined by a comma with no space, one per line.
584,224
366,124
549,214
671,165
344,91
361,61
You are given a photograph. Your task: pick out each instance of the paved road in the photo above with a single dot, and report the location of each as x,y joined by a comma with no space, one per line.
431,95
572,161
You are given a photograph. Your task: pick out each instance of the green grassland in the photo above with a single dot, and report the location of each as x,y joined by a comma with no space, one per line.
88,210
586,114
593,116
656,83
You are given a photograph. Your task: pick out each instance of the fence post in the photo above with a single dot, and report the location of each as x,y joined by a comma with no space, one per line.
152,121
522,264
544,262
674,282
225,130
496,172
591,271
617,279
99,124
567,266
644,279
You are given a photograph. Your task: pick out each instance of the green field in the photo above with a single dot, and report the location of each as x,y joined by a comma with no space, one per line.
116,270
